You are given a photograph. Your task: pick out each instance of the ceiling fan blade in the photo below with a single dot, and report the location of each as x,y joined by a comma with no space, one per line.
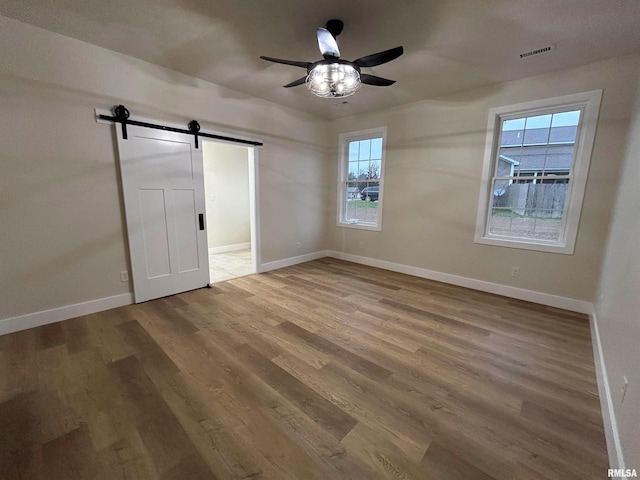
379,58
328,45
295,83
377,81
287,62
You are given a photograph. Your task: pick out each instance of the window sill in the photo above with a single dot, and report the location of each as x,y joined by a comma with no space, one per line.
561,248
360,226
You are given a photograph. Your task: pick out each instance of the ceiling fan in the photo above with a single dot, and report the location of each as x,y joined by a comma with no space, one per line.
333,77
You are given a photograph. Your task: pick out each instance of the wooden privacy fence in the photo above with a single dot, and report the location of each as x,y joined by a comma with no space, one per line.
534,199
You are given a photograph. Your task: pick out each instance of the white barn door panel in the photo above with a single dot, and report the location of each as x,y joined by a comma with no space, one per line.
163,188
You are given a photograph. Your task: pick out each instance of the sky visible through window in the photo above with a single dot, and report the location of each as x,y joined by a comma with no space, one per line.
364,156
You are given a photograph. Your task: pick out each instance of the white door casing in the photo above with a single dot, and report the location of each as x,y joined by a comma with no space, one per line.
163,187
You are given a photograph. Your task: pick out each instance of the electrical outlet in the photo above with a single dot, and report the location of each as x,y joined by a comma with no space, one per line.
625,384
515,271
124,276
361,245
299,245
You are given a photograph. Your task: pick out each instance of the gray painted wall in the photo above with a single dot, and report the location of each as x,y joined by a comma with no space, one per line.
618,301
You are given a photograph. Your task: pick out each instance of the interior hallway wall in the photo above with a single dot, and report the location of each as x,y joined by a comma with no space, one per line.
226,186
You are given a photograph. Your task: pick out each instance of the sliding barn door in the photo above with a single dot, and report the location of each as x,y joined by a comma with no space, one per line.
163,187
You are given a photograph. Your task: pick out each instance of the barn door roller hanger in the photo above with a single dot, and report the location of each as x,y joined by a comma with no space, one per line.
121,115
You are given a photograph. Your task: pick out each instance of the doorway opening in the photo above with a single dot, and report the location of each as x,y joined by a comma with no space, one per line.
230,201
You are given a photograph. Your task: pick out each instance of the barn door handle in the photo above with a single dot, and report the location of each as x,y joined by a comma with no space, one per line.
201,220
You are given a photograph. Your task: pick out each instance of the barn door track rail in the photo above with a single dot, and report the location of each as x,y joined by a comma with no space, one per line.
121,115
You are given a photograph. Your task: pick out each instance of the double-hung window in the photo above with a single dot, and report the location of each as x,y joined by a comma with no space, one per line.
535,169
361,178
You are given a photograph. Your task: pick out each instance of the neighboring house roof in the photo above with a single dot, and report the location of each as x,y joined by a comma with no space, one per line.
537,158
537,136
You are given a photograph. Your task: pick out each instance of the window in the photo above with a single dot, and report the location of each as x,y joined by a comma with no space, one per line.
360,187
535,170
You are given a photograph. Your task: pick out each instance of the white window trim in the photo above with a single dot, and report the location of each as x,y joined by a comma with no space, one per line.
590,103
343,163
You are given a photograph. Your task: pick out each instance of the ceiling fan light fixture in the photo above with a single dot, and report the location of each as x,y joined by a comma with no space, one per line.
331,80
334,77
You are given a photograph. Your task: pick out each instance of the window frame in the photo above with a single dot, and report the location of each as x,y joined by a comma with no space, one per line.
589,103
343,174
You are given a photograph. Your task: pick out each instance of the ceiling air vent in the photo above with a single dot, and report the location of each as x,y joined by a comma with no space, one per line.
537,51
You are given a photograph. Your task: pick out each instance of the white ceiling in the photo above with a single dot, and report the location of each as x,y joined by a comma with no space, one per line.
450,45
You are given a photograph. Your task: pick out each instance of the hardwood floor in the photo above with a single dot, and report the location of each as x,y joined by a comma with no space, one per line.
325,370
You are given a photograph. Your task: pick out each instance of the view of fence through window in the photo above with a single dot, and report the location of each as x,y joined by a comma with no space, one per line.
532,176
363,181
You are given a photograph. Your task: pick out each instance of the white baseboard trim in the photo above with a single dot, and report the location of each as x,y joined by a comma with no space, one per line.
287,262
614,447
548,299
229,248
37,319
574,305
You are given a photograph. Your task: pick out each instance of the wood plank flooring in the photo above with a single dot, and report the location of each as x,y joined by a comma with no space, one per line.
325,370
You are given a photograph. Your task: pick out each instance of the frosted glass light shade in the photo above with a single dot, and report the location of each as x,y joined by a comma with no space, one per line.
333,80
